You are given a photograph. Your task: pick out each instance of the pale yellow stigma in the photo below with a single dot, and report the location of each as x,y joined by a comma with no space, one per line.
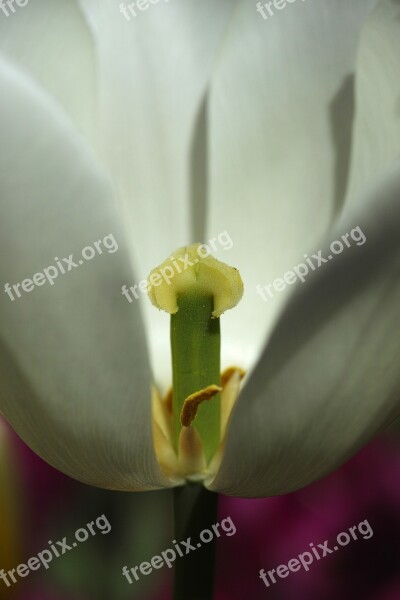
190,271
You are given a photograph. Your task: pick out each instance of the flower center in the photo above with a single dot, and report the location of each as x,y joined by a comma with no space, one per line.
195,290
189,462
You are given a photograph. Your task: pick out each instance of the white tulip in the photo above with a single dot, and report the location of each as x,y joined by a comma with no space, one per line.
192,119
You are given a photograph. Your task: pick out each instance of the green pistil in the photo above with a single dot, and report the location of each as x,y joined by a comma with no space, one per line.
196,346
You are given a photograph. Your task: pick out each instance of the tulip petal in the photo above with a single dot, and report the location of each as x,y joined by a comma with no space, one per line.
154,65
52,43
377,124
281,115
74,375
329,378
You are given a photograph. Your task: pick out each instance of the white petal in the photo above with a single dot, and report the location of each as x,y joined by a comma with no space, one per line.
280,132
329,378
153,73
52,43
74,377
377,125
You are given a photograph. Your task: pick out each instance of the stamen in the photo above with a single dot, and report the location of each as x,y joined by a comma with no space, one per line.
168,400
229,372
192,461
192,403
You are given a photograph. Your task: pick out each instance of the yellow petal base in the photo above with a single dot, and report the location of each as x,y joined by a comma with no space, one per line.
190,463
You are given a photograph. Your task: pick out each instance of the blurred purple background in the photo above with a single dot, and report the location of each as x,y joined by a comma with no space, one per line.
41,504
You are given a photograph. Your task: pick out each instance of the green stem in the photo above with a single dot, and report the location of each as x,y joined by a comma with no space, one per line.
195,347
195,509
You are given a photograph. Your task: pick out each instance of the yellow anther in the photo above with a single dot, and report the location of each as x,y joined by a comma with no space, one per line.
192,403
168,400
229,372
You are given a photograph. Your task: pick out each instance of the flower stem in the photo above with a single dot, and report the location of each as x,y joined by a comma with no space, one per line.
195,509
